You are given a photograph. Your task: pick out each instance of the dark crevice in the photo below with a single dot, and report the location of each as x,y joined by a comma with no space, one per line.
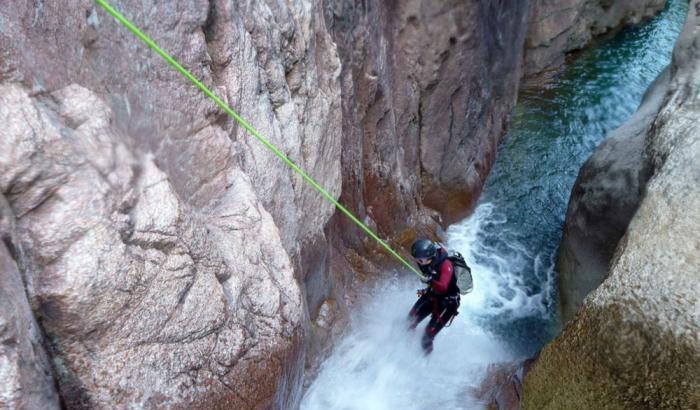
208,27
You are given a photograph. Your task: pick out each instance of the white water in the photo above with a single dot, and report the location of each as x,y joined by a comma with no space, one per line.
379,364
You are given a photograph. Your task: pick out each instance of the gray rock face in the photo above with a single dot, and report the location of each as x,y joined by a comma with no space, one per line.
279,67
272,61
557,27
603,200
146,301
426,91
168,258
26,381
186,211
635,342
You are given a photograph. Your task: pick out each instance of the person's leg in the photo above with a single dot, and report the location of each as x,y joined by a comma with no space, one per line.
420,310
440,317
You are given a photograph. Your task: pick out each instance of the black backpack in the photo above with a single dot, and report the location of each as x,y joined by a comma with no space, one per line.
462,271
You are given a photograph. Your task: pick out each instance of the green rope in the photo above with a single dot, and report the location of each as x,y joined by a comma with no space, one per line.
251,130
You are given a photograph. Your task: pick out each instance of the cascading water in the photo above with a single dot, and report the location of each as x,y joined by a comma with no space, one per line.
510,241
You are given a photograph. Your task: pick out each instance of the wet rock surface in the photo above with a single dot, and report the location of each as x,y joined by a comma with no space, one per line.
171,261
558,27
604,199
502,388
426,95
635,342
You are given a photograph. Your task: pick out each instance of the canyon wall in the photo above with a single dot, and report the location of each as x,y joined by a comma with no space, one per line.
167,258
603,200
157,246
427,91
557,27
144,300
635,341
154,254
25,372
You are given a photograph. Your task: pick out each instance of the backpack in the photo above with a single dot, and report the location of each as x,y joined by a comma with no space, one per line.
462,271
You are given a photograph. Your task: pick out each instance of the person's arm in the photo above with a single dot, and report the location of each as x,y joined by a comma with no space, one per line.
441,284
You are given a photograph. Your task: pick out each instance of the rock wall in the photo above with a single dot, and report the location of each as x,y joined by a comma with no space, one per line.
168,259
145,300
635,342
603,200
427,91
557,27
134,200
25,371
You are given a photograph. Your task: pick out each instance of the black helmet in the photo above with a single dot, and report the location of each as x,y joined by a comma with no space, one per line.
423,248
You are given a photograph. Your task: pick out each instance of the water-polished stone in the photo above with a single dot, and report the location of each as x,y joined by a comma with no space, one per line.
558,27
635,342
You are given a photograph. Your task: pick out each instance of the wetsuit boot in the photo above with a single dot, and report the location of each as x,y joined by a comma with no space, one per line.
427,341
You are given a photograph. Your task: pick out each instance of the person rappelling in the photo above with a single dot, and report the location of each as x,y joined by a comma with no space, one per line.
440,299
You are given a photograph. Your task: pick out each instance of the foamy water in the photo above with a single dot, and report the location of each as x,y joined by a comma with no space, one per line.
380,365
510,241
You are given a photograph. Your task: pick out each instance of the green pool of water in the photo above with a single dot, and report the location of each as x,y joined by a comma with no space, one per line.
552,132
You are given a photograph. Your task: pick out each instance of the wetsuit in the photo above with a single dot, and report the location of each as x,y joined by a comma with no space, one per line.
440,299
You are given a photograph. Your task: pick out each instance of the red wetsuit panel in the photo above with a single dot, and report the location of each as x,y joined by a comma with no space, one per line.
442,283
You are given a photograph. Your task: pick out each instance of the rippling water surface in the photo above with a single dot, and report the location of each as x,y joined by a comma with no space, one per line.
510,240
552,133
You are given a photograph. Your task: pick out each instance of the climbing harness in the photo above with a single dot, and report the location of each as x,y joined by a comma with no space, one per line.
136,31
453,299
451,302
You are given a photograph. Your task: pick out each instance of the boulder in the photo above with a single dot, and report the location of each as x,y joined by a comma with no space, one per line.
604,198
635,342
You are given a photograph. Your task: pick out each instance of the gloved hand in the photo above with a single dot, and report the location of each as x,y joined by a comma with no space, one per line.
421,292
426,279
